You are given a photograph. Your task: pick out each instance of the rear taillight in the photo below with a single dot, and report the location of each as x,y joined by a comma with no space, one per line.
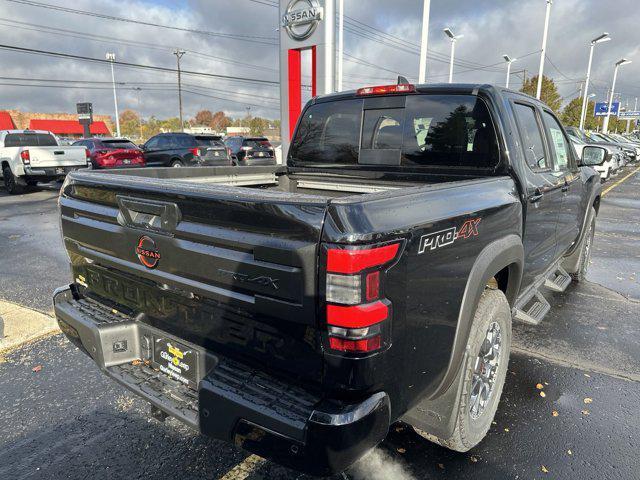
195,151
26,158
356,310
87,153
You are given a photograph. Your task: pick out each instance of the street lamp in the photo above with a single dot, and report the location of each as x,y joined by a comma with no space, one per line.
509,61
111,57
583,112
619,63
543,52
424,38
447,31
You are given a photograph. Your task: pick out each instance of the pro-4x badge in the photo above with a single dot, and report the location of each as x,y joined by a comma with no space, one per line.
441,238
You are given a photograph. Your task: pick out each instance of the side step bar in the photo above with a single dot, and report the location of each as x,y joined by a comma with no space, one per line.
534,307
558,281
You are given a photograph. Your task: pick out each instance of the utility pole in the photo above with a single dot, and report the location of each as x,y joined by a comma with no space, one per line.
138,89
112,58
619,63
583,112
543,53
424,40
340,42
179,53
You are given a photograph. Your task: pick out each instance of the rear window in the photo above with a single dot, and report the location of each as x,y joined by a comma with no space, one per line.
209,141
30,140
119,144
430,131
256,143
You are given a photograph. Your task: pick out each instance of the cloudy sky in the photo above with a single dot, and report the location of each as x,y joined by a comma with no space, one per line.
239,38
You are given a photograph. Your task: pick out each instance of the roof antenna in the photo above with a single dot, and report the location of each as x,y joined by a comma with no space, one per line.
402,80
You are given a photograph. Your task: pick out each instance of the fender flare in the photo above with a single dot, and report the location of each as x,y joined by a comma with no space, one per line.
506,251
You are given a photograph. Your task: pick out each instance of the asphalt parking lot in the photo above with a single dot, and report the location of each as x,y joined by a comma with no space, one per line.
65,420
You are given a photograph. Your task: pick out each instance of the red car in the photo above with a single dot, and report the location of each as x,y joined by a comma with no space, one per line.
112,152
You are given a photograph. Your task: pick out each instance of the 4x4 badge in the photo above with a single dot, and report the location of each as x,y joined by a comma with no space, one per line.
441,238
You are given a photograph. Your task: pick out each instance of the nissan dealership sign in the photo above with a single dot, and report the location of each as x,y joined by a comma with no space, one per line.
301,18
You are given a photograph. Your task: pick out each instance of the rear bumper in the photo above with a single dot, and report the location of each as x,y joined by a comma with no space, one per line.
257,161
50,171
233,402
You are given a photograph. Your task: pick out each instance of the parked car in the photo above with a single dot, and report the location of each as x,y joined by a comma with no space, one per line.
185,150
612,161
299,311
250,151
31,156
626,143
112,152
629,153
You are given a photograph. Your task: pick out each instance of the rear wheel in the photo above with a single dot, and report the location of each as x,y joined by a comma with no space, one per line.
484,373
13,184
585,250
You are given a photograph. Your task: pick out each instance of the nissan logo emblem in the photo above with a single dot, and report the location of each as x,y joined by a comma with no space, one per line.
301,18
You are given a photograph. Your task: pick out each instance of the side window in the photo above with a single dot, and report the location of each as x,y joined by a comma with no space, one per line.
163,142
558,142
532,141
152,143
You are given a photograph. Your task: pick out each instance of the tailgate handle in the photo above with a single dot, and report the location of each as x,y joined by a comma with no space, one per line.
58,152
162,217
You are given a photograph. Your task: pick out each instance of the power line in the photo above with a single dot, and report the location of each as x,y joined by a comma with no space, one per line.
106,39
135,65
244,38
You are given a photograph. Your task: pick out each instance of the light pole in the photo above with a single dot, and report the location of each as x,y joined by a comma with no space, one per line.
583,112
422,74
138,90
509,61
340,42
447,31
619,63
544,48
179,53
111,57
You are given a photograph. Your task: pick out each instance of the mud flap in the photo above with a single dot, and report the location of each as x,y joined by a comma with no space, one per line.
438,417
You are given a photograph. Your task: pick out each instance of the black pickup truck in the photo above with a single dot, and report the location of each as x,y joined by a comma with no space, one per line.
298,311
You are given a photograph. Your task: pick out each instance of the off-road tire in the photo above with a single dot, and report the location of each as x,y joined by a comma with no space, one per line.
13,184
586,247
468,432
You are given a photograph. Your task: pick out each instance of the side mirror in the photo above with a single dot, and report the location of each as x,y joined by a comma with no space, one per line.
592,156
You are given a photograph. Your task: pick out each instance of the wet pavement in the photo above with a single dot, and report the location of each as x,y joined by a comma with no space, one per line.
68,421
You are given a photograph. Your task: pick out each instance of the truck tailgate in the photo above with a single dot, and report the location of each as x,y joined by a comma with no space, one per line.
43,157
230,269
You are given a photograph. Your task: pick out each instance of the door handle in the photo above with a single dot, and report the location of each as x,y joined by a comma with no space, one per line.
537,195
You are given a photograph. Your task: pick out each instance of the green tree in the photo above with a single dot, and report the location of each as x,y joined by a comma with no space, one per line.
549,93
571,114
130,124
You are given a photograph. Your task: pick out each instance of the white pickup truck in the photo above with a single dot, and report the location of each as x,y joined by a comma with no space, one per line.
31,156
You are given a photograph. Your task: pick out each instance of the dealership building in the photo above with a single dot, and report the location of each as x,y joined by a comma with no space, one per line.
60,124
